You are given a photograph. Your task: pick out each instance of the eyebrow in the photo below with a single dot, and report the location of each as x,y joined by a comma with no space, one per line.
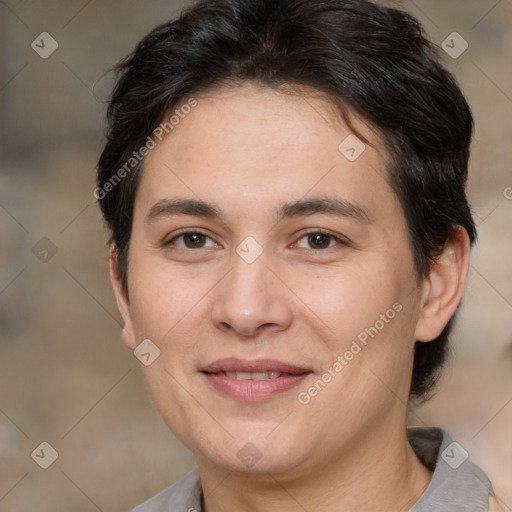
316,205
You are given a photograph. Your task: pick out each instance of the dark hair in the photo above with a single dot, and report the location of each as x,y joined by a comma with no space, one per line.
367,59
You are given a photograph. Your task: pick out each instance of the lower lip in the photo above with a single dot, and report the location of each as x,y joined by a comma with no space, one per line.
254,390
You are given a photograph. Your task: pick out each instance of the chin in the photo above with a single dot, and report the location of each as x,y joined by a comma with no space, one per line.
254,455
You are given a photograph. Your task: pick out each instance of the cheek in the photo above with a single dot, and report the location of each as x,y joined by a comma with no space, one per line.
162,301
346,302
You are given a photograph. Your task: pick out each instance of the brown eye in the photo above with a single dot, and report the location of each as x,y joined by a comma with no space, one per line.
318,240
191,240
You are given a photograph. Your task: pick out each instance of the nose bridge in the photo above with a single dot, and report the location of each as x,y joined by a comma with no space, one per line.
246,280
251,296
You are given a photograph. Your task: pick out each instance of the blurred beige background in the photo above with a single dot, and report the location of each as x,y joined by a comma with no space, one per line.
65,377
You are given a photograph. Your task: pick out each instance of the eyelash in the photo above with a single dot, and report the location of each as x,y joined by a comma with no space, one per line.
339,241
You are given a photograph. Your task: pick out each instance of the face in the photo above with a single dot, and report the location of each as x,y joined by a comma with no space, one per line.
275,276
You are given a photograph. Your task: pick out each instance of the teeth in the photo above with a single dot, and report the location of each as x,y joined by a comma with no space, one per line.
252,375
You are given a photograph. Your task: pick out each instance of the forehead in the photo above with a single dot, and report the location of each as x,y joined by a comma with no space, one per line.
252,146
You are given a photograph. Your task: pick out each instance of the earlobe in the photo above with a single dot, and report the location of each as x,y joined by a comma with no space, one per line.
443,287
123,303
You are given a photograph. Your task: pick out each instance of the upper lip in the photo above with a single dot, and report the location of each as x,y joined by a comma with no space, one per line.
233,364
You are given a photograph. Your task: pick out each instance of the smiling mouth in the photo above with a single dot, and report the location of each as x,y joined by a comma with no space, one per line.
253,381
253,386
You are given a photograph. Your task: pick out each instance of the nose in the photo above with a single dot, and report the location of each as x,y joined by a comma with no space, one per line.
251,299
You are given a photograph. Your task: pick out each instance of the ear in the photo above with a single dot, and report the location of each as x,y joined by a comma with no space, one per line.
123,302
443,287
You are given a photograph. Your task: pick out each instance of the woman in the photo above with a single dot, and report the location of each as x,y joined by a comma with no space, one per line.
284,184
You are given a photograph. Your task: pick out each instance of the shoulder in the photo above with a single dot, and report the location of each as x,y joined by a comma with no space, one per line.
184,495
494,506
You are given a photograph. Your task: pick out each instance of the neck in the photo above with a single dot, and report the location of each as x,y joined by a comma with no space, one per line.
381,473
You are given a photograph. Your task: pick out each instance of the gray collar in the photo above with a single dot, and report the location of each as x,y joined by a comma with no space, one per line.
457,484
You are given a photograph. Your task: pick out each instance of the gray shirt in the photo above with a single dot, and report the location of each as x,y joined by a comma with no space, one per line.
457,484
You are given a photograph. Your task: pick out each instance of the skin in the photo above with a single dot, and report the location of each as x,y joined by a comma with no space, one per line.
248,150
